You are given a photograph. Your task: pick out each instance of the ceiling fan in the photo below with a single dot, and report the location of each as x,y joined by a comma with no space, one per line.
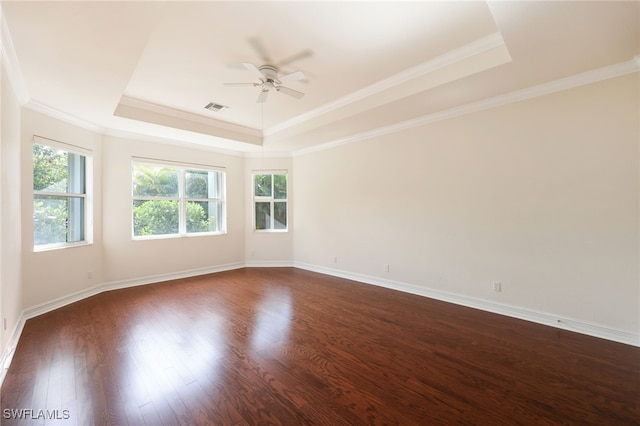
269,79
268,74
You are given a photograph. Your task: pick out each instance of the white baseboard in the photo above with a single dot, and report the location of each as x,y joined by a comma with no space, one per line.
269,264
595,330
7,354
34,311
115,285
544,318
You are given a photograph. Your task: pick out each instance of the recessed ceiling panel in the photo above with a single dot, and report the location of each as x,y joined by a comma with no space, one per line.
196,47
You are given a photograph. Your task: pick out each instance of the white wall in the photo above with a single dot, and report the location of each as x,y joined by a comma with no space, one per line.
127,259
52,274
541,195
268,248
114,257
10,218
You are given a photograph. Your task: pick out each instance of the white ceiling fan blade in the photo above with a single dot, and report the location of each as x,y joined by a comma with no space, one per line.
241,84
294,76
300,55
290,92
262,96
253,70
260,49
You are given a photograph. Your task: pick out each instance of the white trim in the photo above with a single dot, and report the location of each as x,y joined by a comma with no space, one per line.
189,116
7,354
125,134
589,77
269,264
544,318
447,59
150,161
270,154
11,64
63,146
63,116
43,308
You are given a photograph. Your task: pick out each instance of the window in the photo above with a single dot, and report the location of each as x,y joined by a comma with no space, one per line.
170,200
60,202
270,201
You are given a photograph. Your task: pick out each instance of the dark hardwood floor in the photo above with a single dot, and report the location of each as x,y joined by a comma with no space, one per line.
287,346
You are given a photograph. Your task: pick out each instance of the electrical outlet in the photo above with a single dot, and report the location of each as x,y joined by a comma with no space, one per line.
335,259
497,286
89,274
4,323
385,267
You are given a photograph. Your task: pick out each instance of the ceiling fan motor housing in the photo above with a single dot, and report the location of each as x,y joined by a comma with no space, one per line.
270,72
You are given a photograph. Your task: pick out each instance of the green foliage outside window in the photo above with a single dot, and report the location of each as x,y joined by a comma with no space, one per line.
162,216
50,169
270,201
57,218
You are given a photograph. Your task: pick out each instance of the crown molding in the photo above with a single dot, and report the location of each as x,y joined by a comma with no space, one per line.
11,66
189,116
63,116
10,62
588,77
268,154
147,112
183,143
447,59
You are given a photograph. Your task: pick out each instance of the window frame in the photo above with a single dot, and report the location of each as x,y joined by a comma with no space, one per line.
85,225
182,198
270,199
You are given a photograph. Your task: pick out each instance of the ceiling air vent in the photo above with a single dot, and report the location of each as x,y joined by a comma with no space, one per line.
212,106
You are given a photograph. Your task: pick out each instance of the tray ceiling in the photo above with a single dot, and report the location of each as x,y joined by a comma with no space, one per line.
151,67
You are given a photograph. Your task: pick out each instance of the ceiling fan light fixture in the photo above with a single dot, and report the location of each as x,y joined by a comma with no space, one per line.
268,79
212,106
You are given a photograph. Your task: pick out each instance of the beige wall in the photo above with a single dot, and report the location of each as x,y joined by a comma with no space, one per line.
10,217
52,274
129,259
268,248
541,195
114,257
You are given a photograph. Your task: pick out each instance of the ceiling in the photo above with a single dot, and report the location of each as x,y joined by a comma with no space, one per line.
149,68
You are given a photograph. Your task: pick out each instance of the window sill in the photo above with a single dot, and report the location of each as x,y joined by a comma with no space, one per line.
176,236
60,246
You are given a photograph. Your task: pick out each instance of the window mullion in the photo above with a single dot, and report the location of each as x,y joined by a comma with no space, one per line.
272,210
182,211
272,207
61,197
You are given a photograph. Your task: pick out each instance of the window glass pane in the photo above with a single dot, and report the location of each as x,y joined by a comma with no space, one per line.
198,183
263,215
280,215
155,181
57,219
262,185
155,217
280,186
50,169
77,169
202,216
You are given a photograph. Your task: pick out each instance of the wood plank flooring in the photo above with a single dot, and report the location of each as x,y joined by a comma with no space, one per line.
287,346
